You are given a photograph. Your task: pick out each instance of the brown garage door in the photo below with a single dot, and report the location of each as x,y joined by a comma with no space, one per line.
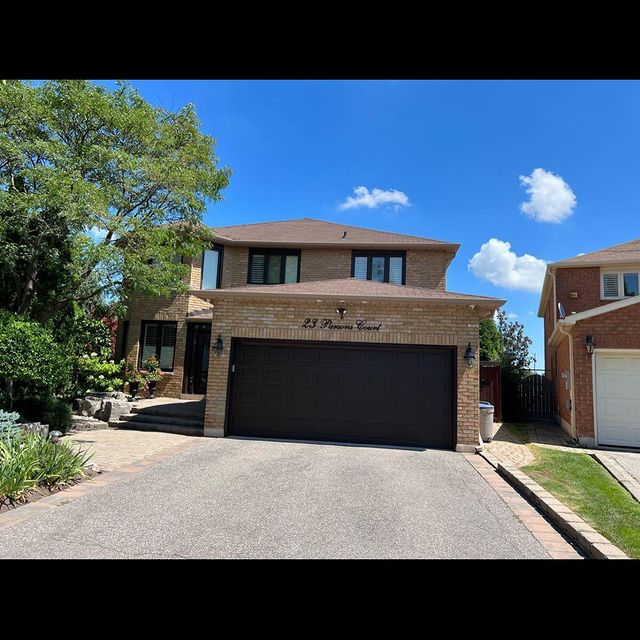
343,392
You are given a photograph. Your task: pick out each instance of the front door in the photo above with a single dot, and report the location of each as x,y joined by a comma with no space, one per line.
196,361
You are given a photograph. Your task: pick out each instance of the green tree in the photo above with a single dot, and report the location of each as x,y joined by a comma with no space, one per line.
491,345
515,354
99,191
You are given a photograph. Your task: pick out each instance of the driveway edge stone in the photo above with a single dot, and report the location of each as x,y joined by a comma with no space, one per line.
584,535
619,473
60,498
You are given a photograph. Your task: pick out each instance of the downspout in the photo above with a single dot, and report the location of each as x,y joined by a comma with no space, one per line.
571,385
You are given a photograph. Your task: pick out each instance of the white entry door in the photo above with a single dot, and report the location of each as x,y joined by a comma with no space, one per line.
618,398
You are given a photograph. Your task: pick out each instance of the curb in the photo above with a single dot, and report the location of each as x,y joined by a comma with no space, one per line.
593,544
619,473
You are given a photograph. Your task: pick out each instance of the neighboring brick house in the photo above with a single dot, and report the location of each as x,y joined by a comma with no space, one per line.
315,330
592,344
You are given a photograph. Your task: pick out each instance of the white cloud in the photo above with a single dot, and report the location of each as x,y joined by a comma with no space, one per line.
552,199
496,263
511,315
375,198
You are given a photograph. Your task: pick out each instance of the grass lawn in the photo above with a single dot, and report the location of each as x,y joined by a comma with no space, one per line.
587,488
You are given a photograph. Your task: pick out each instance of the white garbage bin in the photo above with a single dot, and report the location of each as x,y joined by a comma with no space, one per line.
486,421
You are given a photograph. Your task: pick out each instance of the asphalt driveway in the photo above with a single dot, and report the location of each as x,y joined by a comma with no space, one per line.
235,498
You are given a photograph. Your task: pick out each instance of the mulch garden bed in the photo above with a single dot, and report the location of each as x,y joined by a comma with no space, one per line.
43,492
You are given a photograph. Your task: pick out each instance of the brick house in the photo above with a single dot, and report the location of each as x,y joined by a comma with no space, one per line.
592,344
313,330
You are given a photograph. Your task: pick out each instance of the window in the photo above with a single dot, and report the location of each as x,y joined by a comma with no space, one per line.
158,339
212,268
267,266
381,266
622,284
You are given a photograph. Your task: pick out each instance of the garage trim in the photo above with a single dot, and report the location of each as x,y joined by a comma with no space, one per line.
235,340
594,372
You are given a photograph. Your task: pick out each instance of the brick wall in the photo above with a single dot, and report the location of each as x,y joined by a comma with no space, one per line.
585,281
562,385
424,268
614,330
176,308
403,323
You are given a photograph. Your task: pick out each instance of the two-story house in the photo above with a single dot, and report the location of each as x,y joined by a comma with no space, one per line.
307,329
592,344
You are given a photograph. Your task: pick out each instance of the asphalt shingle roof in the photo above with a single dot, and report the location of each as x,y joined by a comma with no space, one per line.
308,231
626,252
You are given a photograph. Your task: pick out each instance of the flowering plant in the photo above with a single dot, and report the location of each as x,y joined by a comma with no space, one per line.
151,369
97,374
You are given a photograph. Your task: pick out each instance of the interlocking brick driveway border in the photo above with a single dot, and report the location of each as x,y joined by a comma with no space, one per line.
572,525
619,473
552,541
27,511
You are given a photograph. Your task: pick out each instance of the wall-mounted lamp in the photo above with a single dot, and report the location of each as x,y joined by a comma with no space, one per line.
341,311
469,356
218,346
590,345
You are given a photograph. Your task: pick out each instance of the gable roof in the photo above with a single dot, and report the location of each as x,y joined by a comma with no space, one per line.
302,232
352,288
627,252
619,253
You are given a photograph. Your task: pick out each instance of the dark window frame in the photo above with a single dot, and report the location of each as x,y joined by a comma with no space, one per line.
379,254
283,253
124,338
161,323
220,249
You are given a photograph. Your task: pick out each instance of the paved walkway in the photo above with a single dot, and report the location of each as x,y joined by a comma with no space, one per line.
509,448
239,498
113,448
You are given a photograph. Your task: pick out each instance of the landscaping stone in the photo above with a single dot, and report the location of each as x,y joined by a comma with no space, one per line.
87,423
35,427
113,409
90,406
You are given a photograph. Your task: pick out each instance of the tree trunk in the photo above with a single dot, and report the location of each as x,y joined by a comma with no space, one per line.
29,288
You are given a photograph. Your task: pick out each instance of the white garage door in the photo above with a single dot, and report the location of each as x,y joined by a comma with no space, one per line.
618,398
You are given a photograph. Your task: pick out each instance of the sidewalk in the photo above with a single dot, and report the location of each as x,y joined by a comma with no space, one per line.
509,448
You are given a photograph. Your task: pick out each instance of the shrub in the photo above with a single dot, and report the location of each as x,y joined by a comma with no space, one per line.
31,362
8,422
28,460
96,374
57,414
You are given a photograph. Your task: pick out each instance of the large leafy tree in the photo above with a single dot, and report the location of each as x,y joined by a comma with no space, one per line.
99,191
515,355
491,344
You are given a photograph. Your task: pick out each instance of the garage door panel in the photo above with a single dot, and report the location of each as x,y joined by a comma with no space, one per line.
618,399
343,392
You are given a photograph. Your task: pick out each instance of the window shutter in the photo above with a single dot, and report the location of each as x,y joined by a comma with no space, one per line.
257,269
150,341
168,346
395,270
360,268
610,285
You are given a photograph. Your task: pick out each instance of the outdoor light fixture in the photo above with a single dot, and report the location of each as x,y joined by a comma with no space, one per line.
341,311
469,356
590,345
54,436
218,346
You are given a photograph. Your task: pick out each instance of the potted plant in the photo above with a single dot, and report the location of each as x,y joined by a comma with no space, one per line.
134,378
152,373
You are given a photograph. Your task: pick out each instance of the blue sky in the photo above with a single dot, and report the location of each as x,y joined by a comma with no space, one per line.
454,149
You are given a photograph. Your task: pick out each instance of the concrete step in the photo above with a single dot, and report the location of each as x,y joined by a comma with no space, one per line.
134,425
152,418
189,411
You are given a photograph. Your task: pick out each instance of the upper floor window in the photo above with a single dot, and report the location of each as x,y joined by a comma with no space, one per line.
274,266
382,266
212,268
619,284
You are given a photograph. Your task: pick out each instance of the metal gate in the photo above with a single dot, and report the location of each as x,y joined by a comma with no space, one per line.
535,396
